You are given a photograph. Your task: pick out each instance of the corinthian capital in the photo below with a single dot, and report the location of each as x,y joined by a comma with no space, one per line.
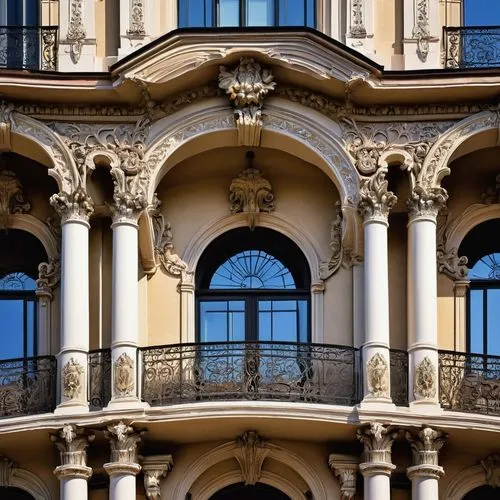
426,202
425,445
73,206
377,439
376,201
123,440
128,206
72,443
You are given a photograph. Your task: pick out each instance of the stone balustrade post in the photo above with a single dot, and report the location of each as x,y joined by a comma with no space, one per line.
425,471
73,473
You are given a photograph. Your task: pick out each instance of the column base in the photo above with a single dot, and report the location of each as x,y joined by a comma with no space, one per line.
126,404
425,471
116,468
73,472
426,406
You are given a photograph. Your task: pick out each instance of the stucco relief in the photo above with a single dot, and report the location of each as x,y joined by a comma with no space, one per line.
136,27
425,380
76,31
422,29
11,198
377,373
330,267
49,275
376,201
124,379
72,379
251,451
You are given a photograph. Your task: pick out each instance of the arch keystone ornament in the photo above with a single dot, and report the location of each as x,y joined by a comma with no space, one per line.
250,453
247,85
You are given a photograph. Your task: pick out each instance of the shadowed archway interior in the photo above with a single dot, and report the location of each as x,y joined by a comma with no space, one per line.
483,493
15,494
257,492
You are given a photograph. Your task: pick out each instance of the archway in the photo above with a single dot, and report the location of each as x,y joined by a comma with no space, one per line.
483,493
15,494
240,491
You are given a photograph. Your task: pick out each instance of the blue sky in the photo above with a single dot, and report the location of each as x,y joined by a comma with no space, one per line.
482,12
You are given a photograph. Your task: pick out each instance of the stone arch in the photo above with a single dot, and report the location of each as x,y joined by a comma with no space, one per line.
466,481
302,131
435,166
37,228
228,451
51,150
16,477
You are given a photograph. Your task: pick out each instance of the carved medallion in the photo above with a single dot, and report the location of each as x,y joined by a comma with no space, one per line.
378,376
424,385
124,375
72,378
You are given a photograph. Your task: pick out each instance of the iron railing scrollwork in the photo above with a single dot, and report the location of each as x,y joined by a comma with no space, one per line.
99,378
27,386
28,47
399,377
471,47
469,382
252,370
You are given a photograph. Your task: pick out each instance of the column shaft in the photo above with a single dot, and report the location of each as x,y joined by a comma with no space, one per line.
377,487
75,488
122,487
424,488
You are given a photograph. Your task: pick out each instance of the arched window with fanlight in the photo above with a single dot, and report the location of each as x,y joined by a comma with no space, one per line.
253,286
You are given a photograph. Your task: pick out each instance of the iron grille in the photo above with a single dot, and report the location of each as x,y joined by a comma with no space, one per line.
99,378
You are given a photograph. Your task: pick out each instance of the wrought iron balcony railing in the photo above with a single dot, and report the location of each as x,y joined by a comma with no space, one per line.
268,371
27,386
469,382
28,47
399,377
99,378
472,47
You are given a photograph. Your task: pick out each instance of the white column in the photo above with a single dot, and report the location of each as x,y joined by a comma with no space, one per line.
425,473
422,295
374,206
73,473
75,210
377,467
123,466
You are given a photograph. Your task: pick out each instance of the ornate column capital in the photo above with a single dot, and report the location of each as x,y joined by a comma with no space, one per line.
426,203
377,439
425,445
72,443
155,468
123,440
128,207
376,201
345,467
75,206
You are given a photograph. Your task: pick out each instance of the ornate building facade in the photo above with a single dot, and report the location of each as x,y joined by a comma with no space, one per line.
249,249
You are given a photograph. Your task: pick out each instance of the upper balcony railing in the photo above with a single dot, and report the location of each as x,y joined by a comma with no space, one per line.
28,47
472,47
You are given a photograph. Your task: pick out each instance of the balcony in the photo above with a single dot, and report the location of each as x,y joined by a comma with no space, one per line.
27,386
28,47
470,47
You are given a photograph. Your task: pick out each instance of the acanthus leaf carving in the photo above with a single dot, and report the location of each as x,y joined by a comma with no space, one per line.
328,268
425,445
72,443
377,370
345,467
377,439
426,202
124,380
73,206
73,379
11,198
76,30
376,201
247,85
250,193
250,454
123,440
425,380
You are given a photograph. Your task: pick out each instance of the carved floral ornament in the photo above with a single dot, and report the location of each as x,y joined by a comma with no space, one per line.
345,467
123,440
76,31
376,201
422,29
137,28
72,443
73,379
377,371
155,468
250,454
377,439
425,445
124,379
328,268
425,380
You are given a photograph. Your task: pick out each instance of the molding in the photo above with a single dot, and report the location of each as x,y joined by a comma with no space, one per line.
491,466
13,476
465,481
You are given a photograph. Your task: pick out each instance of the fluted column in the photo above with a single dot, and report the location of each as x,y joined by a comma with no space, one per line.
377,466
155,468
345,467
73,473
423,207
425,471
75,210
123,466
376,202
125,297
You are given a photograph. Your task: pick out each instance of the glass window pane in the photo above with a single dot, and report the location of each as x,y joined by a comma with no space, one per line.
280,323
229,13
222,321
292,13
493,322
476,321
265,326
482,13
311,13
31,328
303,321
260,12
11,329
195,13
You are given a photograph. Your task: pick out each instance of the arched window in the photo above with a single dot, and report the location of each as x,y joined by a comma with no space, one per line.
240,491
222,13
253,286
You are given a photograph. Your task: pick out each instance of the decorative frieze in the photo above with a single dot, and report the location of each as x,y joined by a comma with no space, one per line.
123,440
76,30
247,85
155,468
75,206
250,193
425,380
376,201
377,375
345,467
124,376
250,454
11,198
377,439
73,379
330,267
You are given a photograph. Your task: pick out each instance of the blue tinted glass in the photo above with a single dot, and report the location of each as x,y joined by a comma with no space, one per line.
17,282
482,13
303,321
279,320
30,16
260,12
292,13
222,321
229,13
11,329
476,321
195,13
31,328
493,323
